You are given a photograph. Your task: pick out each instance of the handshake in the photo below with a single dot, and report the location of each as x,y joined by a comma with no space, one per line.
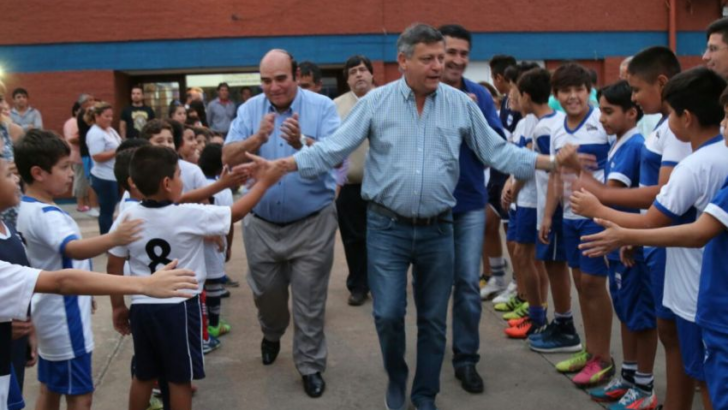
263,171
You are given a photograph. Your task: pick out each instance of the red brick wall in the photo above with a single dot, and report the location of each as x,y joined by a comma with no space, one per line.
54,93
58,22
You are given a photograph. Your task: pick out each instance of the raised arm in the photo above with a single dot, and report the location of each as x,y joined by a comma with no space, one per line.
240,139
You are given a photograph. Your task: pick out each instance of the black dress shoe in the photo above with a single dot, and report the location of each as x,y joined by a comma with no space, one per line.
469,379
357,298
269,350
314,385
225,294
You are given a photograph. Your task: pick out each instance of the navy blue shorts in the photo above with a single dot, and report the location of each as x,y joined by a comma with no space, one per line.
168,341
526,231
511,232
632,295
495,188
655,261
574,229
692,350
15,396
716,366
70,377
554,251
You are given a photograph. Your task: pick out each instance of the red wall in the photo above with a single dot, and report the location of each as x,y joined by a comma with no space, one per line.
58,22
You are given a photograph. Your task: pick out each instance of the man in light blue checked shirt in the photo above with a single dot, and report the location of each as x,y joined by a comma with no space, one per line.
415,127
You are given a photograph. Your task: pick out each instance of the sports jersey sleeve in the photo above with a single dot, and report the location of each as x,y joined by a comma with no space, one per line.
674,150
208,220
626,166
198,178
18,283
718,207
680,193
54,230
96,141
119,251
542,140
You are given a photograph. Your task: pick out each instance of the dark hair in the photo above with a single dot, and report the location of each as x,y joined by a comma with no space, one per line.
173,107
39,149
354,61
653,62
724,97
203,131
719,26
210,160
697,90
620,94
75,108
570,75
178,130
514,72
310,69
415,34
246,88
199,108
124,152
150,165
491,88
594,76
457,31
499,63
137,87
154,127
219,86
536,82
20,91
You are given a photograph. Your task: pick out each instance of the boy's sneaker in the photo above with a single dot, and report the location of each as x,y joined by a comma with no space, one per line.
93,212
636,399
211,344
516,322
506,295
155,403
519,312
595,372
556,338
615,390
521,331
495,285
573,364
221,329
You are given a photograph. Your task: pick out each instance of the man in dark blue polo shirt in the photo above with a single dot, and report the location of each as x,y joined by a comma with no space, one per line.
468,215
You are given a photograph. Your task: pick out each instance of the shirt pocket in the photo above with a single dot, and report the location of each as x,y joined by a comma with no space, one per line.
446,148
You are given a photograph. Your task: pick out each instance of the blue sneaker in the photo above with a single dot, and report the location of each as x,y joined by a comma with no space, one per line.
636,399
543,331
209,345
615,390
562,338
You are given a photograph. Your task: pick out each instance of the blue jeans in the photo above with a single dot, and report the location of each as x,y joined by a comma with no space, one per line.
108,193
467,307
392,247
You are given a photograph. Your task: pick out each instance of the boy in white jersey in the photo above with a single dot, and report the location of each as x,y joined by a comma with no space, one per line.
571,84
533,276
167,333
124,152
648,73
695,117
560,335
210,162
63,324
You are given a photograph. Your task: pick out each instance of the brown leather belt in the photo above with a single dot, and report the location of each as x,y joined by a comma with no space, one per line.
384,211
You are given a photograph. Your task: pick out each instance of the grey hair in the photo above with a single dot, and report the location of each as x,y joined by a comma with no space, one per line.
415,34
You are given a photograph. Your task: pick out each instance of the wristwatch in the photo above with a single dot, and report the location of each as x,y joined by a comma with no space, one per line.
553,162
303,141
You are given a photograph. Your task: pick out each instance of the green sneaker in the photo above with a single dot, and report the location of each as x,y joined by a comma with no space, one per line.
575,363
521,311
221,329
513,303
155,403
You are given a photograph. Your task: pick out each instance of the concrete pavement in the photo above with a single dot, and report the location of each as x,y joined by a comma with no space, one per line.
514,376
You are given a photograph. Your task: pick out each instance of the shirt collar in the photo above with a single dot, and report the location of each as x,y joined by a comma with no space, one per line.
150,203
408,93
295,103
711,141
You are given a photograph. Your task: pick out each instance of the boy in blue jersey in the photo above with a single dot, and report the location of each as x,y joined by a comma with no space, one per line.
63,324
629,281
648,73
695,117
560,335
571,84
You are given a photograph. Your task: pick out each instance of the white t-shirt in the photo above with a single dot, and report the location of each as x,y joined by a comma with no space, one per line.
527,196
693,184
172,232
62,323
126,202
214,259
192,176
98,141
543,132
16,289
591,139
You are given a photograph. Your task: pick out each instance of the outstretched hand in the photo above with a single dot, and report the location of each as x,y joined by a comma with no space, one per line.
169,282
128,231
584,203
600,244
264,171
